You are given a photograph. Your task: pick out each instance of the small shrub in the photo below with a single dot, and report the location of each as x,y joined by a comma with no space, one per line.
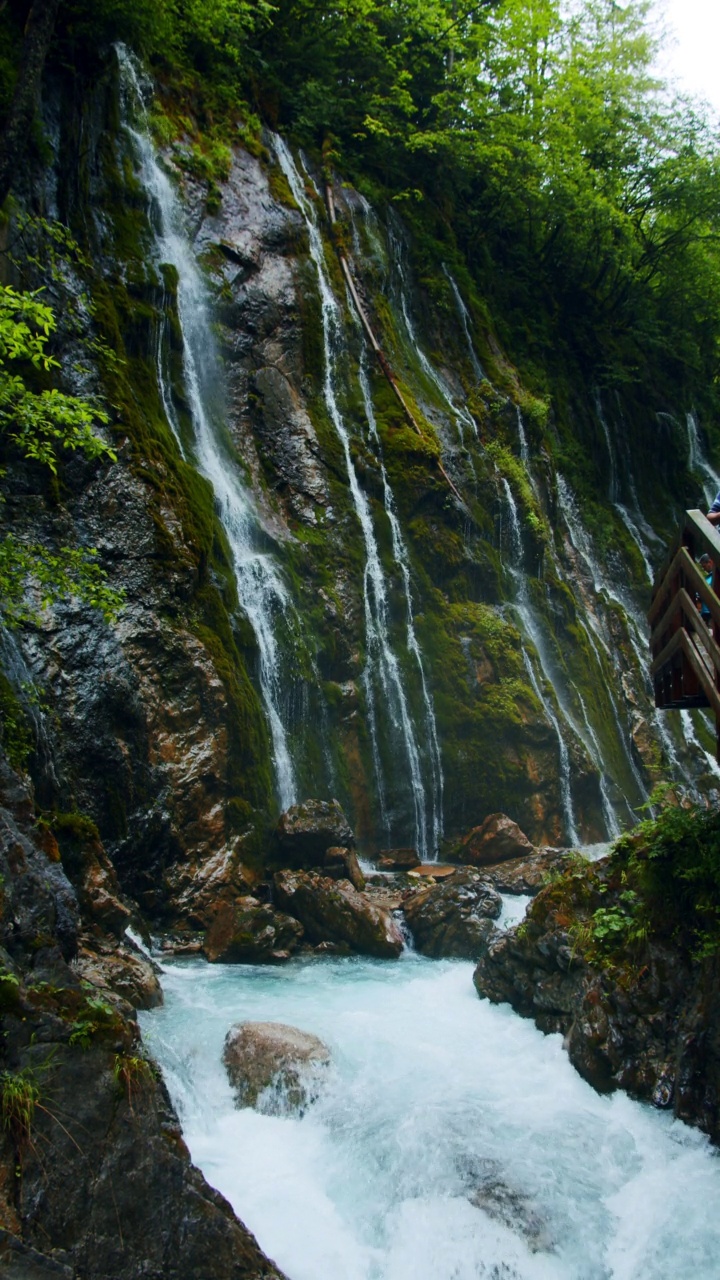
19,1096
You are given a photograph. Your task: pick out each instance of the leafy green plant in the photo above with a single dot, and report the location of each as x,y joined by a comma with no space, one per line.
42,424
95,1015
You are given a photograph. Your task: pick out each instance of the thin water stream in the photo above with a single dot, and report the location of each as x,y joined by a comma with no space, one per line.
261,590
384,681
453,1141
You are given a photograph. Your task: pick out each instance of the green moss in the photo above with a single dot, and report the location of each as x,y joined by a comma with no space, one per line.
15,731
74,826
280,187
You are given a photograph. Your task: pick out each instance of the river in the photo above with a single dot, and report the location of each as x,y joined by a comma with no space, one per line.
435,1097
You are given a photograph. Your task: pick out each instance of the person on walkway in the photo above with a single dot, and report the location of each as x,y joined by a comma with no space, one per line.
713,514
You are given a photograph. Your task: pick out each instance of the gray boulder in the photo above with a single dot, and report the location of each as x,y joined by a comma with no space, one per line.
275,1068
455,917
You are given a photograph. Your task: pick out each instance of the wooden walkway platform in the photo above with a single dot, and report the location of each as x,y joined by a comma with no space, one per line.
685,647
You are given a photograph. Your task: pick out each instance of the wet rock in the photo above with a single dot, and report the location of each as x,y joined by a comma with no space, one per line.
107,1186
273,1067
498,839
306,832
333,911
512,1207
120,970
342,864
398,860
251,932
454,918
649,1028
527,874
19,1262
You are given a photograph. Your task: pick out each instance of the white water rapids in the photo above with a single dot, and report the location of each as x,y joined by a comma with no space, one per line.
433,1096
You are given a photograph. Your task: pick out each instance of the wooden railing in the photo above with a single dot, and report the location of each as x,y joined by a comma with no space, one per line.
685,647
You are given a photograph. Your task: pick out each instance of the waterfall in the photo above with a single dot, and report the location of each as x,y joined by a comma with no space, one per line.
465,322
530,630
635,625
459,414
402,560
632,521
692,738
523,442
261,590
382,670
531,626
698,462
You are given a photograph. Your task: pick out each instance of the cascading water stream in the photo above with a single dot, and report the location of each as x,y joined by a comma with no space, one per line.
692,738
453,1140
402,560
465,322
382,664
261,591
531,626
636,626
697,461
530,630
459,414
630,521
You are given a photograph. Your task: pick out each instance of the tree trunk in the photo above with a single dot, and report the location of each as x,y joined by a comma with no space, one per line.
13,143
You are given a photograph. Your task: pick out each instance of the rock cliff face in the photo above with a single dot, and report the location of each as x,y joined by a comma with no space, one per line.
154,727
95,1179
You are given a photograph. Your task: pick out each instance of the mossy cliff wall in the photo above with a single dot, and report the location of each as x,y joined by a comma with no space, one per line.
527,572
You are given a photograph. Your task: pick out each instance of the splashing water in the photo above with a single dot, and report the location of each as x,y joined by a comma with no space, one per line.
453,1140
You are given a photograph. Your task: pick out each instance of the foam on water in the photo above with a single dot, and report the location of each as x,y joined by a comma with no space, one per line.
432,1095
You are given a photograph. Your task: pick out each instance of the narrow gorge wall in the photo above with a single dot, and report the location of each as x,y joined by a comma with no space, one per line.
434,612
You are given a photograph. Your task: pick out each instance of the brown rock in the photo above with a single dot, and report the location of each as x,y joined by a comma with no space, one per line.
306,832
342,864
398,860
526,875
273,1067
333,911
497,840
250,932
123,971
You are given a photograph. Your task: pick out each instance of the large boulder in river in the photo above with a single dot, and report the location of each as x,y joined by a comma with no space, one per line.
306,831
250,932
333,911
497,840
273,1067
454,918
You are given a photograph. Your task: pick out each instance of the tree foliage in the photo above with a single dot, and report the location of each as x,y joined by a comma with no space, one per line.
42,424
